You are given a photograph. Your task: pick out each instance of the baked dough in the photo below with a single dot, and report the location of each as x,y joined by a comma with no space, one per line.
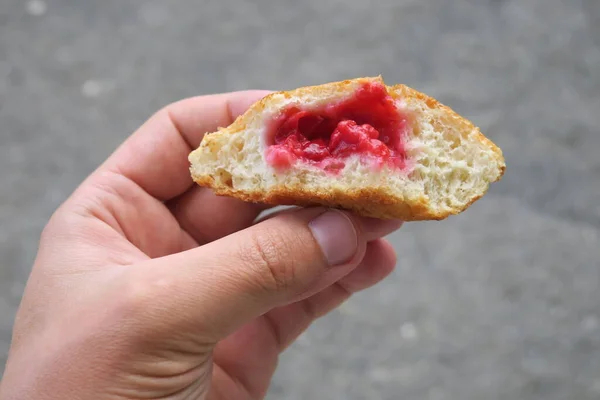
447,163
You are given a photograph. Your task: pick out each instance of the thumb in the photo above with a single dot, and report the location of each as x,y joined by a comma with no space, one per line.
229,282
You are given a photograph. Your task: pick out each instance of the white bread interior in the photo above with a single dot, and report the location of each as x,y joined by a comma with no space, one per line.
451,164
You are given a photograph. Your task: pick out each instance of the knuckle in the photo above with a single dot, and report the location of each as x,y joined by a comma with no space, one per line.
310,310
59,225
137,296
269,253
132,298
47,235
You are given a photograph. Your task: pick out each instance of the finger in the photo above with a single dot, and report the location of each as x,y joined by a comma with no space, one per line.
228,282
379,262
155,157
207,217
374,228
288,322
371,228
224,386
250,355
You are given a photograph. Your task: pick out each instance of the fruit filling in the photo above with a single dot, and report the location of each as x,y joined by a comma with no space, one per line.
368,124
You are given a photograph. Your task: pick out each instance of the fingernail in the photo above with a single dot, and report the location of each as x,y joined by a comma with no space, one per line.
336,235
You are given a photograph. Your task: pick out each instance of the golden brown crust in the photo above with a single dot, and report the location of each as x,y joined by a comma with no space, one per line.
375,202
365,202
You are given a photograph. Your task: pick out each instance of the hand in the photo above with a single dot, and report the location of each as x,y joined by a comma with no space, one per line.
147,286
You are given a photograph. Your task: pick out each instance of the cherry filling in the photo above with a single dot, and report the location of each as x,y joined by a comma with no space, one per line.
368,124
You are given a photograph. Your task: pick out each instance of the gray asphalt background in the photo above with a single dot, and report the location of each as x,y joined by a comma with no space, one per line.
501,302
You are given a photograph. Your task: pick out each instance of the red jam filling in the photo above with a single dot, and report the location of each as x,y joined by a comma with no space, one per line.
368,124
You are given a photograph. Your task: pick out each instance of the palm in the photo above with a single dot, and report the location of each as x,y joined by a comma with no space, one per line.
245,361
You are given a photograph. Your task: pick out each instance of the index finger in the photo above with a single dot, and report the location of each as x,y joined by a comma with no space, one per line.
155,157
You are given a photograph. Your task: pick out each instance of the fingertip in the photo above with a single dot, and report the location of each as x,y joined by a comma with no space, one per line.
388,252
379,262
374,228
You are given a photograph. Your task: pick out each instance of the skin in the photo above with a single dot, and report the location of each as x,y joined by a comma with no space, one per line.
146,286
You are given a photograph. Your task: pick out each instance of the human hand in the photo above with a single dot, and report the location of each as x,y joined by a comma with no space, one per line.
147,286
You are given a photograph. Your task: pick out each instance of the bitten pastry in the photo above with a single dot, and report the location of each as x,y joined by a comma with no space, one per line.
379,151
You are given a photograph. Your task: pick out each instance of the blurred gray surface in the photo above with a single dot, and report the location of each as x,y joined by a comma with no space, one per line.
501,302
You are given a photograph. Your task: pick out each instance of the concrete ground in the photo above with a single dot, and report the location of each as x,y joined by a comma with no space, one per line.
501,302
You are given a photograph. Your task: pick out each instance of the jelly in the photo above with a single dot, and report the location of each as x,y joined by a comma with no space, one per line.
368,124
